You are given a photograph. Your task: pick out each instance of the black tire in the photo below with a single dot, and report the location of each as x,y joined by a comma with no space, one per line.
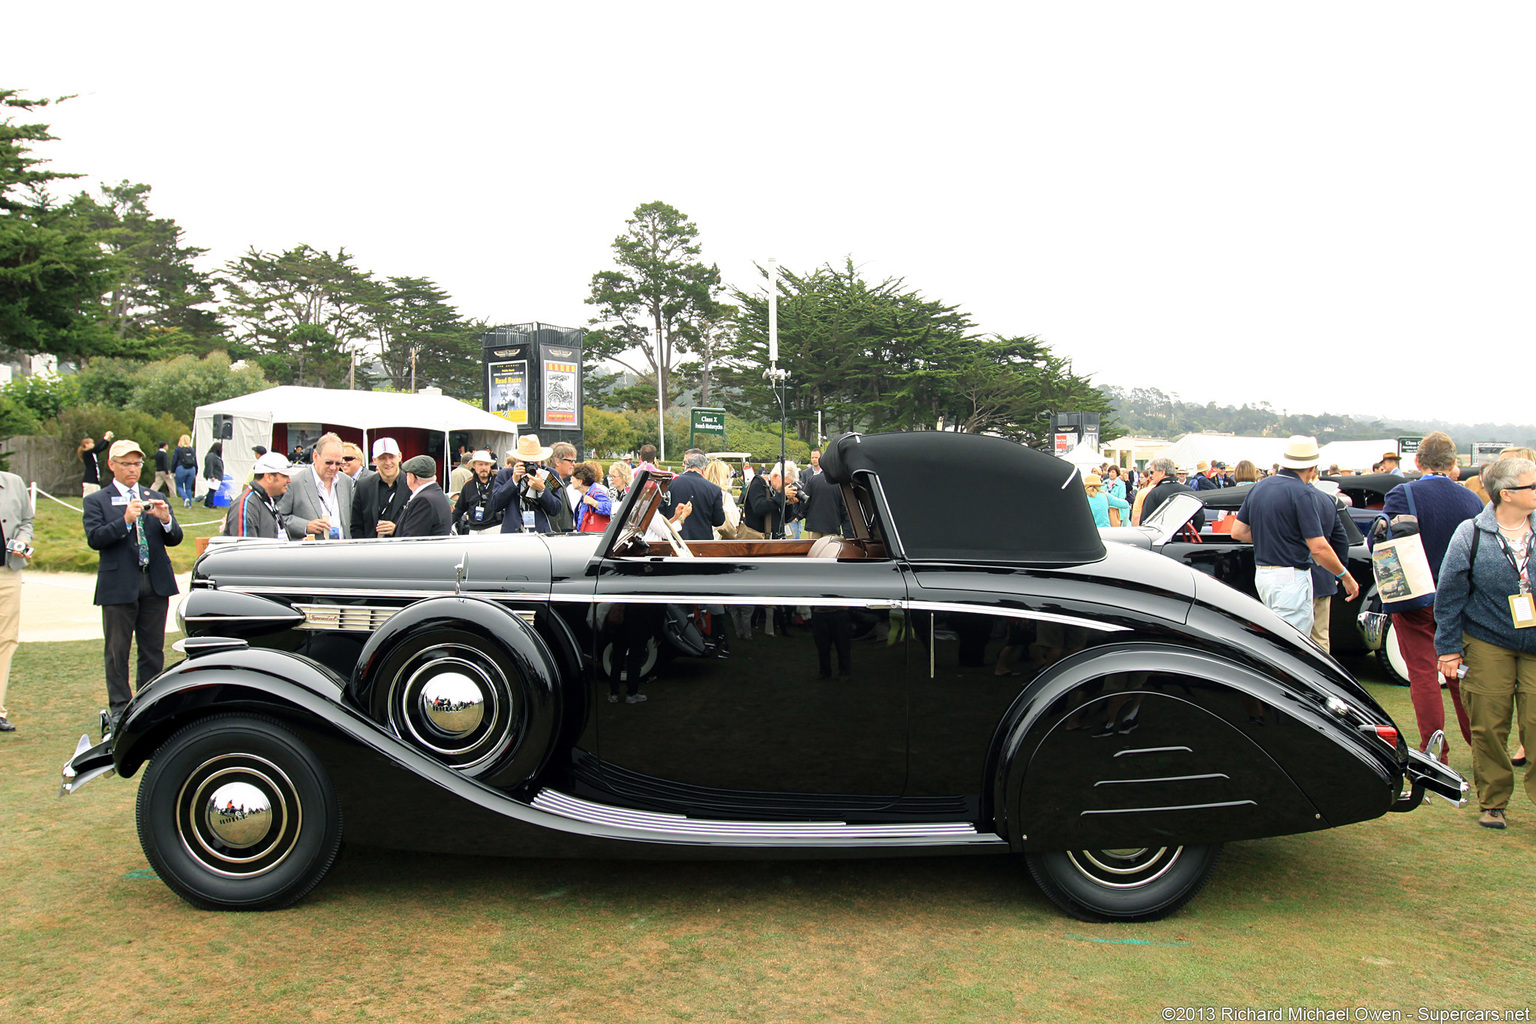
1389,659
1133,884
215,860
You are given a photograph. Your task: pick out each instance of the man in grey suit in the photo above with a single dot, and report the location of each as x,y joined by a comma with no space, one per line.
16,545
319,503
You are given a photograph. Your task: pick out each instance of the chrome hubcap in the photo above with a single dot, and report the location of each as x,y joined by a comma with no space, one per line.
453,704
1127,868
240,814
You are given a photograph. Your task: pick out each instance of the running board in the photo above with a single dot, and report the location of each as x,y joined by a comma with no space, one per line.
764,833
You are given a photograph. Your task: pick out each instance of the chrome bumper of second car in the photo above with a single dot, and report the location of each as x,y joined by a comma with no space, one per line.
85,764
1425,774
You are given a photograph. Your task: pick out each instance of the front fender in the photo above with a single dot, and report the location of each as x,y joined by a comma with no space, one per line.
1152,744
237,679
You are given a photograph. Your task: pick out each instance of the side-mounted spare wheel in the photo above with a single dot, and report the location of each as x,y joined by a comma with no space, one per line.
466,682
1131,884
236,813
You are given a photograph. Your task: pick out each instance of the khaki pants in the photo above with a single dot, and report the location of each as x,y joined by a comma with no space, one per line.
86,490
10,627
1500,683
1321,606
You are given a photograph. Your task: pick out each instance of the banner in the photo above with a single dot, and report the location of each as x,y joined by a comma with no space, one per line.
561,389
509,390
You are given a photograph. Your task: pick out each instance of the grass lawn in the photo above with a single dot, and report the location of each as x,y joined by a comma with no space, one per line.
1412,910
59,538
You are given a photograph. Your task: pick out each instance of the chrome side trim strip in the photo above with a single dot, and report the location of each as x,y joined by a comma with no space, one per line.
1166,778
1223,806
678,825
818,602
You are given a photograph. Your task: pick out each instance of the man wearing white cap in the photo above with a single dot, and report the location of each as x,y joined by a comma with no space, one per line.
131,526
254,513
382,497
1282,518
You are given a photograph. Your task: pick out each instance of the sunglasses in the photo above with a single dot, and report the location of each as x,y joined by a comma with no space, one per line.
330,462
347,458
1522,487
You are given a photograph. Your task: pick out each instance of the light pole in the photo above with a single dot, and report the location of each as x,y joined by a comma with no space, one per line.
778,380
661,425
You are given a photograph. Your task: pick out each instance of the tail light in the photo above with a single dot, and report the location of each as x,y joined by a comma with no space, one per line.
1386,733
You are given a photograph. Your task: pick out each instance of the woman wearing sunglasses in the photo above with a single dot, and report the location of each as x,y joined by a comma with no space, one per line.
1485,622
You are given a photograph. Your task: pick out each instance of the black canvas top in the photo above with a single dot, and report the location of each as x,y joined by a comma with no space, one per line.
968,497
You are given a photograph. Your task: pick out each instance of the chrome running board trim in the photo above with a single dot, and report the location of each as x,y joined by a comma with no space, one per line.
678,826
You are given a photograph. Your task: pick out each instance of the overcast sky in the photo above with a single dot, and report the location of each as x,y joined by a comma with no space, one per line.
1328,206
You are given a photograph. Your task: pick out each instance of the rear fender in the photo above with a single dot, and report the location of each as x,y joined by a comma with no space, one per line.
1152,744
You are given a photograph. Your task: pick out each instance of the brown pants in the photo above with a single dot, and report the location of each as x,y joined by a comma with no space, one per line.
10,627
1500,683
1321,607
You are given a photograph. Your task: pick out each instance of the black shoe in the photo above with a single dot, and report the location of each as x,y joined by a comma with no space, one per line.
1518,762
108,725
6,726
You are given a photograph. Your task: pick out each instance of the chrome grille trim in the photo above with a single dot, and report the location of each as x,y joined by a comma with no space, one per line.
568,806
359,618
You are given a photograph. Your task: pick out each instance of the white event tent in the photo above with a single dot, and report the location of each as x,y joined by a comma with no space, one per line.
252,416
1263,452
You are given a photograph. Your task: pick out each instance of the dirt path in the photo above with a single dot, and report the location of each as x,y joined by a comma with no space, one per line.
57,606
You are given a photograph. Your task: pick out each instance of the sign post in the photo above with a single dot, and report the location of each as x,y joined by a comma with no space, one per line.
707,421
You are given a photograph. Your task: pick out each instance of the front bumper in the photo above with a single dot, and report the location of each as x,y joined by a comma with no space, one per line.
85,764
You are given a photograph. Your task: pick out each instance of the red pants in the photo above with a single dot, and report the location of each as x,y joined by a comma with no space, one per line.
1416,639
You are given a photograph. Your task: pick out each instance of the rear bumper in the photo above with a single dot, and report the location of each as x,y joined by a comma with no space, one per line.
1426,775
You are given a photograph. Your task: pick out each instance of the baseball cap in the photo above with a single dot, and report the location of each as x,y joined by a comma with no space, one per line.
123,447
273,462
386,446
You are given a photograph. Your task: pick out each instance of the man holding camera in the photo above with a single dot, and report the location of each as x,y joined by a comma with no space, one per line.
541,492
131,526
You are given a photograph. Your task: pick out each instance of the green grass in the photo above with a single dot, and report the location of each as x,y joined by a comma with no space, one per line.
1421,909
59,538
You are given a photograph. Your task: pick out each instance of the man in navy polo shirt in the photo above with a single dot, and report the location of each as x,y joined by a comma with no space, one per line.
1282,517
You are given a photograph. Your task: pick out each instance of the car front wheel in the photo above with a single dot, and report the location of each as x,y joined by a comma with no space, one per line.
1129,884
236,813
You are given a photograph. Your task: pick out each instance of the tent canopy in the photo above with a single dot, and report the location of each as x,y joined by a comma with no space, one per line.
252,417
1264,452
1084,456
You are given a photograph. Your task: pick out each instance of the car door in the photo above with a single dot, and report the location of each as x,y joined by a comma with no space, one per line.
750,686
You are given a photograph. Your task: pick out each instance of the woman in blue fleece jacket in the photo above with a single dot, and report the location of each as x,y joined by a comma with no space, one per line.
1486,566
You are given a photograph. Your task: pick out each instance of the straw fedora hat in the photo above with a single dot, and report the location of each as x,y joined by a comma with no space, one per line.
1300,452
529,449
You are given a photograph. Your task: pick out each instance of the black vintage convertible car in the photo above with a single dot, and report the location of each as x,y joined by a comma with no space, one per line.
931,685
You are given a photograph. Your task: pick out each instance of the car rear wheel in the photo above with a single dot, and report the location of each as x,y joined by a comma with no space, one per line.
1128,884
236,813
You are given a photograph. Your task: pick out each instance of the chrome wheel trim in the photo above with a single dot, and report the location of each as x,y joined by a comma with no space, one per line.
240,814
409,719
202,828
1126,868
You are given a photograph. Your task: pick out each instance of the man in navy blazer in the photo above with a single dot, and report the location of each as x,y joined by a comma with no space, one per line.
708,500
131,526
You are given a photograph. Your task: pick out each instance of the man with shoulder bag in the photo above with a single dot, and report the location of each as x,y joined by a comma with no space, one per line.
1437,505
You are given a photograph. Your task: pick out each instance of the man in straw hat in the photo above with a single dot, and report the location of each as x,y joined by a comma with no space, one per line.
539,490
1284,520
131,526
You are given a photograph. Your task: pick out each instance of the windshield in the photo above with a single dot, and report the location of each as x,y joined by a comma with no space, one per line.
1172,514
642,507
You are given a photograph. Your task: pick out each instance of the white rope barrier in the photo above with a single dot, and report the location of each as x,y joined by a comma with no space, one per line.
38,491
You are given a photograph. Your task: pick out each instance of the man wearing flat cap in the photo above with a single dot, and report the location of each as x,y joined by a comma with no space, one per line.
426,511
254,513
131,526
